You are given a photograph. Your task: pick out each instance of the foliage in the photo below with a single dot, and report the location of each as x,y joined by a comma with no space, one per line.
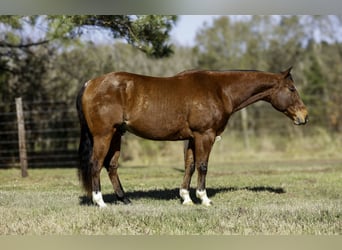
273,44
281,187
46,58
43,58
149,33
24,57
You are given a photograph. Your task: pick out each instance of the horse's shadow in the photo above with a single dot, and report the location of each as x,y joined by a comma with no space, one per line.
173,194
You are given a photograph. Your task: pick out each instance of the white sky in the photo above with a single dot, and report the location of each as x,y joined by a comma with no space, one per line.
184,32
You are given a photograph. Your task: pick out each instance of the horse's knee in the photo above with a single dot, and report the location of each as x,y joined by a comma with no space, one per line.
203,167
192,168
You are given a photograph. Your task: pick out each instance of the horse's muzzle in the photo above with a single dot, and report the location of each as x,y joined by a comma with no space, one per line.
301,117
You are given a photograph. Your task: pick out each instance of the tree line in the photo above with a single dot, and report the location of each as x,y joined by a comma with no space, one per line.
46,58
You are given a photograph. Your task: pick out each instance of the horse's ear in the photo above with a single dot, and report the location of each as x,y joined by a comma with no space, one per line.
287,72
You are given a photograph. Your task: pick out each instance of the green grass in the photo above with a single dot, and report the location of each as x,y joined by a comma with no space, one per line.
263,197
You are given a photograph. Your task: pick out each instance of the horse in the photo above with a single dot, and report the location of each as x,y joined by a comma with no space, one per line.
193,106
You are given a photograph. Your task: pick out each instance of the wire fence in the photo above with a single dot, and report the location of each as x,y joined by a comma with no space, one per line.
51,133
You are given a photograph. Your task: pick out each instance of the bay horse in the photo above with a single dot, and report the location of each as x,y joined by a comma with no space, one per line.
193,106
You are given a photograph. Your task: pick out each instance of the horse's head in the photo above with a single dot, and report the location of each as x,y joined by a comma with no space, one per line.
286,99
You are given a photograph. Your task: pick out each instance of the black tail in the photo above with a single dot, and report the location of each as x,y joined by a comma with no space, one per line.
85,148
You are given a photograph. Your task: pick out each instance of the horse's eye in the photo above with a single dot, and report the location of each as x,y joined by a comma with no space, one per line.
292,88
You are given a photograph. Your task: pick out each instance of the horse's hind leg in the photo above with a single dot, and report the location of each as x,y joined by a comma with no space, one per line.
112,164
101,146
189,170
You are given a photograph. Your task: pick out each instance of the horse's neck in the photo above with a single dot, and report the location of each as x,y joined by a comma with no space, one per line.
249,92
252,99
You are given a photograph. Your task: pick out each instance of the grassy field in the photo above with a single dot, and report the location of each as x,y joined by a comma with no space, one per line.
264,197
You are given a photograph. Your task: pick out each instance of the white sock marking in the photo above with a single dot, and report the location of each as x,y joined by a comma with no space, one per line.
97,199
185,195
204,198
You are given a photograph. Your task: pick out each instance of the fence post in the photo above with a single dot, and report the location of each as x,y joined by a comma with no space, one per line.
21,137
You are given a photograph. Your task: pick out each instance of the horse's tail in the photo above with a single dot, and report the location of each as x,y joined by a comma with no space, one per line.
85,148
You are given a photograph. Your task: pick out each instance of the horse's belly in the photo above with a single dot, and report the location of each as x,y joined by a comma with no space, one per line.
159,131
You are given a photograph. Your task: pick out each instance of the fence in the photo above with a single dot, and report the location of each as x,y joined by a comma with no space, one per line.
48,135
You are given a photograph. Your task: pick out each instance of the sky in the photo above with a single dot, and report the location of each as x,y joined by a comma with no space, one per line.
184,32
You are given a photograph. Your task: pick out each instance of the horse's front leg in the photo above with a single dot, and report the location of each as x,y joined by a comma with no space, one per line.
203,146
184,191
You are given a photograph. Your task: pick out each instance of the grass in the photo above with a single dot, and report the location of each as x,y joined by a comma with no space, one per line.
268,197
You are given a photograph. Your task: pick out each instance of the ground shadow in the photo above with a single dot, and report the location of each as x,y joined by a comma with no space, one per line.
172,194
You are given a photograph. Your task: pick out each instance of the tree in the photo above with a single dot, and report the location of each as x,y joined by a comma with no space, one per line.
149,33
30,46
27,37
221,46
272,43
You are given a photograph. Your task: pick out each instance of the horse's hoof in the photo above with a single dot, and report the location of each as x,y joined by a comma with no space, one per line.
188,203
125,200
98,200
207,203
102,205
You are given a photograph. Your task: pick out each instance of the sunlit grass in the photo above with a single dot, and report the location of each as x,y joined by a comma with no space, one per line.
265,197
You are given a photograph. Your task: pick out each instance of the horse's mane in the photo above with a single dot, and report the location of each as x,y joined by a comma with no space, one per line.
189,71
